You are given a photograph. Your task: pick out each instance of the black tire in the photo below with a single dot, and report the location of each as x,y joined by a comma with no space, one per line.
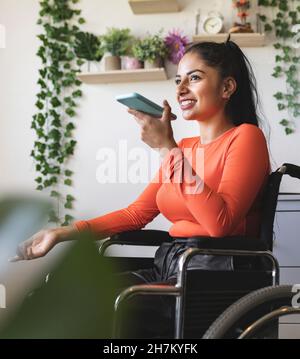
233,315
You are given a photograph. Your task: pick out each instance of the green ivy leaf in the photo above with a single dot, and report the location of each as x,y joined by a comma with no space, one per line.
43,73
278,95
68,205
55,102
70,198
53,180
56,123
54,194
68,173
67,99
288,131
70,126
268,28
55,134
42,83
79,62
68,182
77,93
284,122
68,134
281,106
68,219
262,18
41,119
47,183
70,112
39,105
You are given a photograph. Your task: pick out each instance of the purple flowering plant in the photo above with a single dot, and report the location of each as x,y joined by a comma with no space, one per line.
176,43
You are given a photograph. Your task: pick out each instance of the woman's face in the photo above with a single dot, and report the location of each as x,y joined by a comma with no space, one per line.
199,89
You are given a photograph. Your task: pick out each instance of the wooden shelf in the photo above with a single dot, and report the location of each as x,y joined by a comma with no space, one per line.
243,40
153,6
107,77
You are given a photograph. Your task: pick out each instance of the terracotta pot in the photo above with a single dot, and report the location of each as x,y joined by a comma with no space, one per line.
155,64
131,63
112,63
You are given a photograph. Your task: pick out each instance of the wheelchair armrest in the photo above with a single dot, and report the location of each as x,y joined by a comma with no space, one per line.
149,237
231,243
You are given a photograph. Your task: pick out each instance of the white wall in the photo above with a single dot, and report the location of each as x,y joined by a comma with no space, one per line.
102,122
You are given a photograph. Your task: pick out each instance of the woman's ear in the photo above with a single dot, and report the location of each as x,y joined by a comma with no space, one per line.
229,87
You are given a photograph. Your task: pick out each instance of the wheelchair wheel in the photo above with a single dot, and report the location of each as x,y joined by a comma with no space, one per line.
254,316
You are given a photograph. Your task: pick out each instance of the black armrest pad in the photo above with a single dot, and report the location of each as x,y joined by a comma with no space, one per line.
292,170
149,237
233,242
156,238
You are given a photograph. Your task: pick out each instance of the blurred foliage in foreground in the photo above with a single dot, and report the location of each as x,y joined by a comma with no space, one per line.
75,302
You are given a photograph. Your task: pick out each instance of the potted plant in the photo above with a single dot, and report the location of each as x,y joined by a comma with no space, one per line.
242,6
129,61
152,50
88,47
116,43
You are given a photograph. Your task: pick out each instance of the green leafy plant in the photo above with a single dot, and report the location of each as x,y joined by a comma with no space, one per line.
117,42
56,102
150,48
88,46
285,14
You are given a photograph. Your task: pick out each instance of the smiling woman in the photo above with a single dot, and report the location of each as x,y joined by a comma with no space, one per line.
215,87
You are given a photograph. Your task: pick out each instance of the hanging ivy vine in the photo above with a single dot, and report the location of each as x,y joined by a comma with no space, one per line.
56,103
285,14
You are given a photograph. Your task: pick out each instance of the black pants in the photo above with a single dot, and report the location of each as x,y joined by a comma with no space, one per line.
152,316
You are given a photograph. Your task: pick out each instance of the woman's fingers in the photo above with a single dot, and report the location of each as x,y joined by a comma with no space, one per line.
15,259
140,117
167,111
136,115
24,251
21,251
29,252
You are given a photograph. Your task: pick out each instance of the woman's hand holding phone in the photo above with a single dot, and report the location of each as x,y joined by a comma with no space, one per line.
156,132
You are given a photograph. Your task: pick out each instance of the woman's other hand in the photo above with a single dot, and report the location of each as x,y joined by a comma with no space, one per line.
156,132
42,242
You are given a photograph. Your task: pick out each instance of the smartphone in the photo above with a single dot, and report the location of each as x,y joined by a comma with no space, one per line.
140,103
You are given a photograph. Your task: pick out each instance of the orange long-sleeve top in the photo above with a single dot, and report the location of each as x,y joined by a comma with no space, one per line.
224,198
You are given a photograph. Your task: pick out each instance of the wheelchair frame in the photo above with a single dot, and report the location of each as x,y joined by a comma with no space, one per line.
177,290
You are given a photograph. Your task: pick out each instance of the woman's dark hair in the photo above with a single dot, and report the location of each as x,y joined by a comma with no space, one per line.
229,60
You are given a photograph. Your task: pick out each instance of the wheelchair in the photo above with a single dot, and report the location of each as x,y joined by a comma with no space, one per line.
258,311
201,296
